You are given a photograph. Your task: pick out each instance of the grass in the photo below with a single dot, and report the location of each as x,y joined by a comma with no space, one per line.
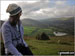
28,30
33,31
52,46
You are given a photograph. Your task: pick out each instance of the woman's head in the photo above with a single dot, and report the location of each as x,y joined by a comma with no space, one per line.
15,13
13,9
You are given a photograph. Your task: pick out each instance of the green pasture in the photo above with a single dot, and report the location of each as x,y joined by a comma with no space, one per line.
52,46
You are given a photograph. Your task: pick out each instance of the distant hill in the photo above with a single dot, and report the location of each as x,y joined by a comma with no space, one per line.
67,24
1,22
31,22
59,22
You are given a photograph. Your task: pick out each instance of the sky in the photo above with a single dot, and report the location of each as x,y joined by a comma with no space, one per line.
41,9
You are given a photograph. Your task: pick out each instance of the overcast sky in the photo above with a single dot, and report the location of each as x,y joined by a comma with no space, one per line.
41,9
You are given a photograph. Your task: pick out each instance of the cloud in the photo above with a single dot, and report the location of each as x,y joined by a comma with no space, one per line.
47,9
60,2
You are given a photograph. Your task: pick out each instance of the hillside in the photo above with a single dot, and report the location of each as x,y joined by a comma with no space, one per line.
66,24
1,22
31,22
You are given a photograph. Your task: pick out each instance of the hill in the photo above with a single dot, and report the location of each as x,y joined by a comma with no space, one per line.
31,22
1,22
67,24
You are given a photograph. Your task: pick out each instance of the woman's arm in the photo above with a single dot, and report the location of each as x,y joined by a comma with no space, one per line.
6,33
22,33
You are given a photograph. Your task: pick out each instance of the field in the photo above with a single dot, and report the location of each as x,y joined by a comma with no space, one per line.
50,47
33,31
47,47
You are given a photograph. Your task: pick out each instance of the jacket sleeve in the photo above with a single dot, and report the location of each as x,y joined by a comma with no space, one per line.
22,33
8,40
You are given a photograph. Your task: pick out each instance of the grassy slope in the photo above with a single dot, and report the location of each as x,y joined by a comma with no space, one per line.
49,47
52,46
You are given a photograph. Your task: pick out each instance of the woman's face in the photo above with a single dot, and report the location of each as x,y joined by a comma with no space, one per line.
14,20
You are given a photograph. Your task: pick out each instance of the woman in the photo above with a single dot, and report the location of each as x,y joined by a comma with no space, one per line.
12,32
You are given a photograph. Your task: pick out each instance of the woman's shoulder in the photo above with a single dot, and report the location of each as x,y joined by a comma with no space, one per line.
6,24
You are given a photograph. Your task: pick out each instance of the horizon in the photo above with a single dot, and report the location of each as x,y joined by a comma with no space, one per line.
41,19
